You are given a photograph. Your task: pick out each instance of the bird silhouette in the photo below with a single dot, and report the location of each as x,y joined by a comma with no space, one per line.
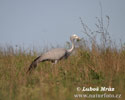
54,55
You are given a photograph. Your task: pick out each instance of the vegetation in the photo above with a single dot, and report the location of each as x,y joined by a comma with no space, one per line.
92,65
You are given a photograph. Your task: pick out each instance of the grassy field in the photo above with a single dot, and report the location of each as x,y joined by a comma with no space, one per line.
87,68
92,65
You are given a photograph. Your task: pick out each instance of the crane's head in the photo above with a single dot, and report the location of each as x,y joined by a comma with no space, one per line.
75,37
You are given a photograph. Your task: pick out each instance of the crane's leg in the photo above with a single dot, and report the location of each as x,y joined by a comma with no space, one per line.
55,61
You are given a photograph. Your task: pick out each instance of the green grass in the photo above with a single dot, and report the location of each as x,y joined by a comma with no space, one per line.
59,82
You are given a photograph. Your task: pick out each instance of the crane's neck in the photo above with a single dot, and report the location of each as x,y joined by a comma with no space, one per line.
72,48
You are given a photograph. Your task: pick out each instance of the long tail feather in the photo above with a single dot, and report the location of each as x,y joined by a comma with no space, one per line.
33,65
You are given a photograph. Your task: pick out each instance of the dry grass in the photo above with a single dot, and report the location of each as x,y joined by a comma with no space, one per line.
59,82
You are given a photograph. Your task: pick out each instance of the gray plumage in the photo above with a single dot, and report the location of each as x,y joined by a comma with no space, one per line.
54,55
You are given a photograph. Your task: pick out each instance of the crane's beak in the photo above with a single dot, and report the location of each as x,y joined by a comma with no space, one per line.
78,39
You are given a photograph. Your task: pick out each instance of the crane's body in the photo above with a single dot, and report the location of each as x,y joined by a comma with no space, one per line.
54,55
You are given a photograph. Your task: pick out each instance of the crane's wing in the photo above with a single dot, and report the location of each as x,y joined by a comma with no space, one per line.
52,55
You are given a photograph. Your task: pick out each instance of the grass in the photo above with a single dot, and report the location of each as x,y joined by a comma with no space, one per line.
93,65
59,82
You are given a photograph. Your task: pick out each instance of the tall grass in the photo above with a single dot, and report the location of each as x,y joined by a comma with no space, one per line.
91,65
